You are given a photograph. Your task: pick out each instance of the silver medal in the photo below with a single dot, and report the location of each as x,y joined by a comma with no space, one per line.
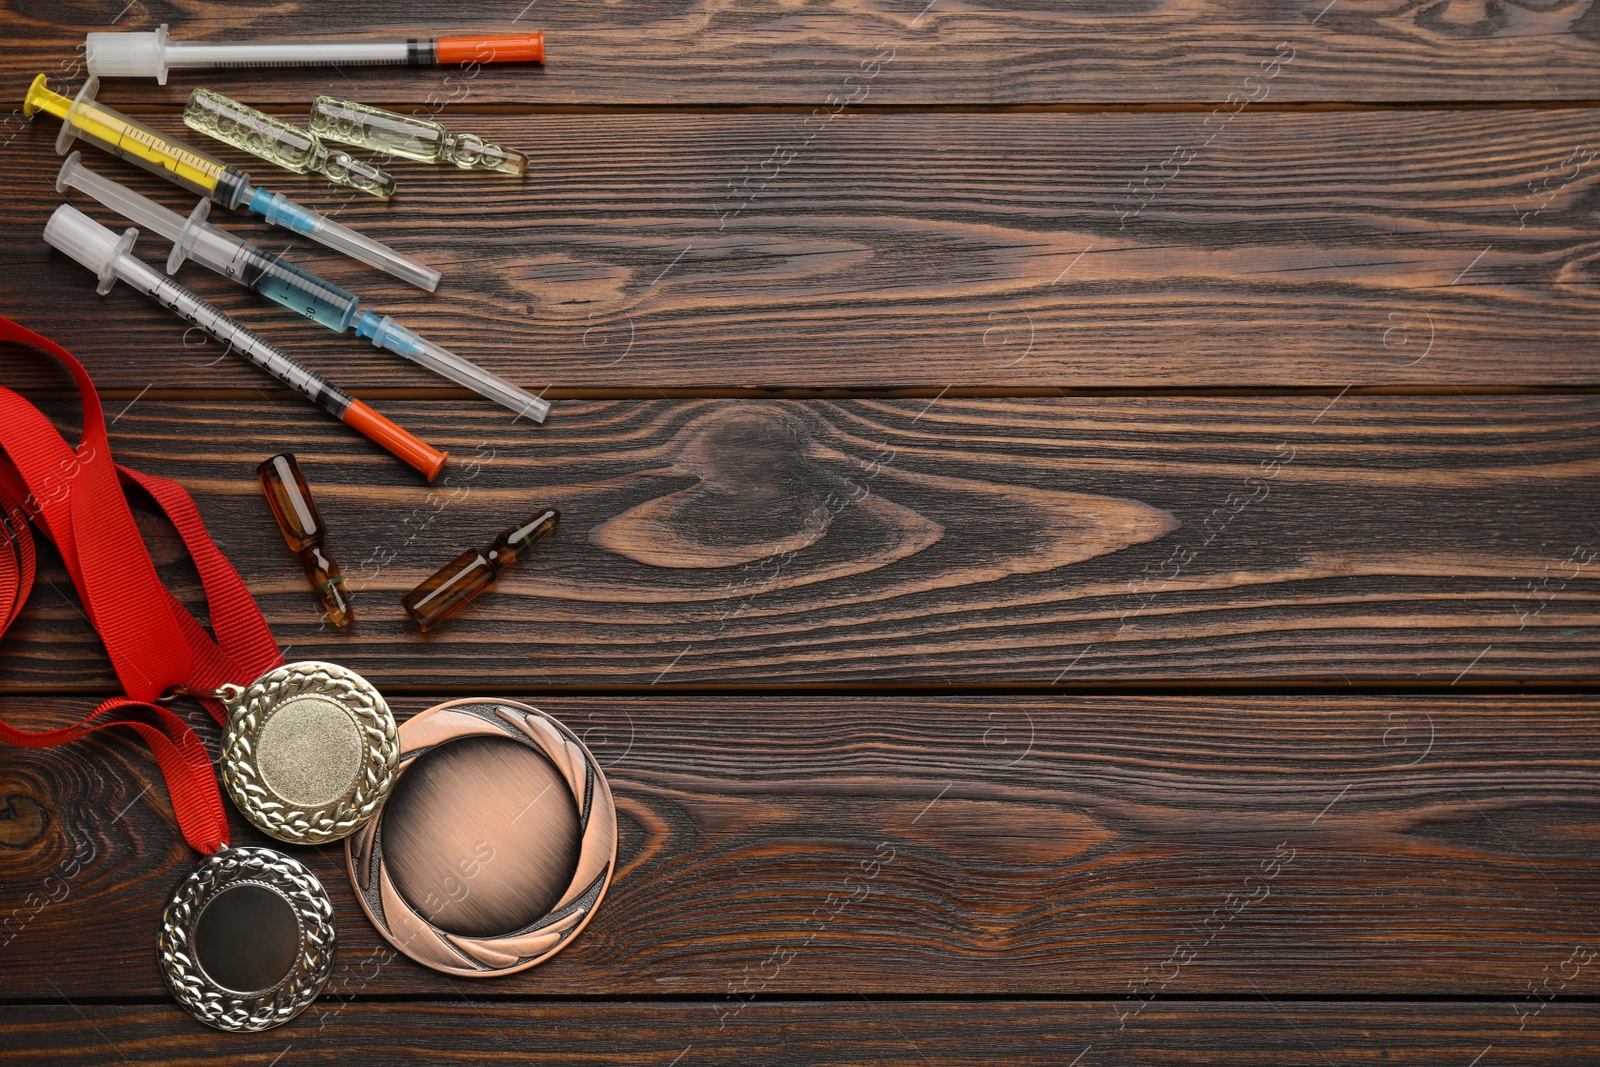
246,941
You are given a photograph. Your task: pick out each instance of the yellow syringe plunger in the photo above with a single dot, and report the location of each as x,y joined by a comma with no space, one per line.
109,129
41,98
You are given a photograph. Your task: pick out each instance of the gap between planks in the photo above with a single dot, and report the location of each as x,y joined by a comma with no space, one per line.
1173,999
1223,687
801,108
795,393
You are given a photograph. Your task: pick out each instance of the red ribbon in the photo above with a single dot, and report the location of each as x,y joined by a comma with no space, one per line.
77,499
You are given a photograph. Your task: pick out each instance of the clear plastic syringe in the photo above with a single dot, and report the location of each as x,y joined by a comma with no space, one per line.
107,255
296,289
149,54
193,169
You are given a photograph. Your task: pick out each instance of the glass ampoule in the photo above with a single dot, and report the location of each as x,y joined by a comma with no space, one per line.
452,586
409,137
301,525
280,142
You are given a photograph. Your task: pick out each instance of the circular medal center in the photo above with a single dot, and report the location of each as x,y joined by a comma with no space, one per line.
309,752
247,938
481,836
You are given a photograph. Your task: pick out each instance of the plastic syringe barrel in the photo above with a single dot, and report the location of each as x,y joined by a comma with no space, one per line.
109,129
151,53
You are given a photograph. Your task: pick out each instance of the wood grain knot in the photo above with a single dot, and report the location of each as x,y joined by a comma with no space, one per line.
1469,20
22,821
757,493
766,482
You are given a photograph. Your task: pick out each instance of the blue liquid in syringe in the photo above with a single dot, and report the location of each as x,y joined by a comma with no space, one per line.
300,291
303,292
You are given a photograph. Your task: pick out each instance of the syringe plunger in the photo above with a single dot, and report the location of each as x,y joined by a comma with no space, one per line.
91,244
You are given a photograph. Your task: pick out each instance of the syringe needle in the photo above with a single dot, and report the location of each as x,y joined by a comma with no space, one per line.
103,252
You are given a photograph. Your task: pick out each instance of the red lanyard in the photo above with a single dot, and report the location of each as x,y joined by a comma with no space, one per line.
76,498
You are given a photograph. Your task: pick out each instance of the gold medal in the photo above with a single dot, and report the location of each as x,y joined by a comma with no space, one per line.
310,751
497,844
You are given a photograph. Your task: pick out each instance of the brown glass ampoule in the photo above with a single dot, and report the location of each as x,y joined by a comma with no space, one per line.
472,572
302,528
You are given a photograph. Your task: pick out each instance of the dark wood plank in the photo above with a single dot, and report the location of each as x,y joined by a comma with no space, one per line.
650,252
944,53
855,1031
1098,846
943,543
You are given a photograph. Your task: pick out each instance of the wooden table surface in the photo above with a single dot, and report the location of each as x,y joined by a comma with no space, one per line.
1079,532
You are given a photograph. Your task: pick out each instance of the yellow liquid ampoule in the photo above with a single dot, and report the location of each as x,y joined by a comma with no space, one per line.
409,137
282,143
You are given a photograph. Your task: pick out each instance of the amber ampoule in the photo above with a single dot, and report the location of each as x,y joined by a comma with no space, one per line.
470,573
302,528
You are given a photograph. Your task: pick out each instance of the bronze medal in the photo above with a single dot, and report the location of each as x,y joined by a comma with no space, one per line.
246,941
497,842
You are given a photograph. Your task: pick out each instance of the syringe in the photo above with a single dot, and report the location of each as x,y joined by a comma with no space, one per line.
191,168
296,289
150,55
107,255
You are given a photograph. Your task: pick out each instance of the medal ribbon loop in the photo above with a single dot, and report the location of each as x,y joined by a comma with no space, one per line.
77,498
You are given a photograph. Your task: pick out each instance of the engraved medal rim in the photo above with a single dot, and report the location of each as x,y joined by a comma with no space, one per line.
359,849
279,817
228,1009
